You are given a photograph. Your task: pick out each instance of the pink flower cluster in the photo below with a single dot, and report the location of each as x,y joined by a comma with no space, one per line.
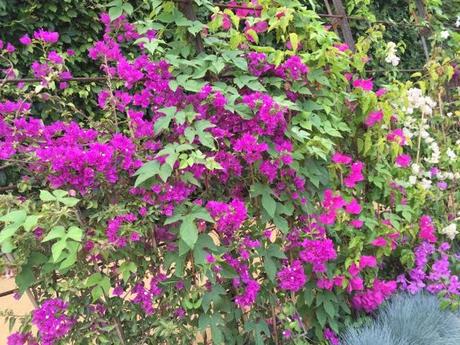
432,271
370,299
318,253
427,230
51,321
229,217
144,297
113,229
292,277
19,338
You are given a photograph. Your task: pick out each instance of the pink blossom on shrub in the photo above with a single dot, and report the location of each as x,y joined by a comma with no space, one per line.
19,338
367,261
229,217
340,158
51,321
380,92
364,84
292,277
331,337
379,242
25,40
427,229
372,298
46,36
318,253
403,160
342,47
353,207
373,118
355,175
357,223
397,136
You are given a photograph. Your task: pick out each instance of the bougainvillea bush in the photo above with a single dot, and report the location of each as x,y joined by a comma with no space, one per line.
245,181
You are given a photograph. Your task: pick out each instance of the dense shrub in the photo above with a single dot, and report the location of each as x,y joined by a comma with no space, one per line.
409,319
243,176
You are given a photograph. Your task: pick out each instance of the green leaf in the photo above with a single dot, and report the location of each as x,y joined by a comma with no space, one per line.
68,261
75,233
30,222
199,212
59,193
188,231
163,122
281,224
275,251
57,249
25,279
115,12
56,232
128,8
148,170
294,41
165,172
94,279
47,196
8,232
321,316
270,268
70,202
329,308
126,268
268,203
212,296
17,216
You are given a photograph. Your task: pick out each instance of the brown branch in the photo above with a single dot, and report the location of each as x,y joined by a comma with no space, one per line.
8,292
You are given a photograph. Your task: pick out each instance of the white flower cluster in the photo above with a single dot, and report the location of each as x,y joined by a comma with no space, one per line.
450,231
424,176
412,129
457,23
445,34
448,175
391,54
418,101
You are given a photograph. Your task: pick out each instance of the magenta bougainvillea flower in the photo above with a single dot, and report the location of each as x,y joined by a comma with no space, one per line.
373,118
364,84
292,277
51,321
403,160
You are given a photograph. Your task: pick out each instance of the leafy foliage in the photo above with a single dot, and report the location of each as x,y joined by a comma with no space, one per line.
237,176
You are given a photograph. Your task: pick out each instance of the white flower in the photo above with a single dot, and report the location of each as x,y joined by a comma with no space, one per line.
451,154
445,34
426,184
415,168
457,23
391,54
412,180
450,231
449,114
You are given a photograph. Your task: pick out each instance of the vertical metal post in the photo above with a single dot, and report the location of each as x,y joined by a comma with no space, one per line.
347,34
186,7
329,11
422,14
